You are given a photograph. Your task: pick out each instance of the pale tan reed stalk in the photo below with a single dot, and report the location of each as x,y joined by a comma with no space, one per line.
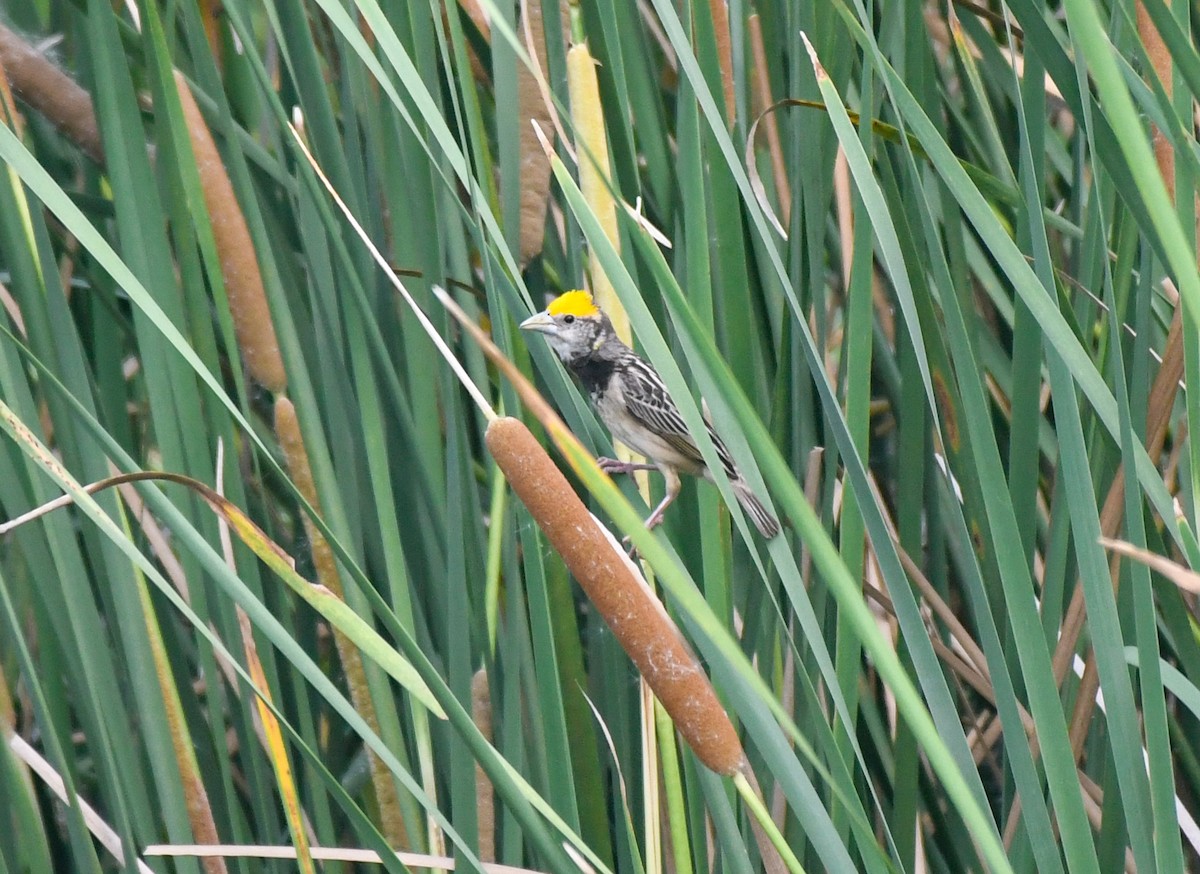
591,146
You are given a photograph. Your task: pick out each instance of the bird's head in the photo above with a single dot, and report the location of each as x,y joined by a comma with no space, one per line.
573,325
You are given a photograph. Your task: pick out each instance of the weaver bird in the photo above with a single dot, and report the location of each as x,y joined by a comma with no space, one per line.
633,402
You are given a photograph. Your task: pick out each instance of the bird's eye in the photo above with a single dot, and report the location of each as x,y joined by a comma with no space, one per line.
568,320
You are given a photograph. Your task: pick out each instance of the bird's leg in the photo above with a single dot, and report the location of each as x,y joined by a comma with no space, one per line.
613,465
673,488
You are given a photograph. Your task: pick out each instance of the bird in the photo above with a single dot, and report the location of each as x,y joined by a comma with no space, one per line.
633,402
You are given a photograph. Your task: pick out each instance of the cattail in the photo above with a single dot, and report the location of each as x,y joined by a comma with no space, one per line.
195,795
291,441
720,22
532,108
485,804
51,92
239,265
1160,61
637,619
210,13
8,713
591,146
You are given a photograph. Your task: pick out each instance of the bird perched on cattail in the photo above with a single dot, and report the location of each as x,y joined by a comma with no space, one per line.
633,402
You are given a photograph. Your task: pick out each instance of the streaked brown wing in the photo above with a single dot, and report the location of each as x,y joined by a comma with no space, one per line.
650,403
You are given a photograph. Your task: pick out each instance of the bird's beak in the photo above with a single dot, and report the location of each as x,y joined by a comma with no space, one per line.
542,322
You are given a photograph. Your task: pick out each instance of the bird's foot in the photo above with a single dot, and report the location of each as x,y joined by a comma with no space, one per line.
615,465
654,520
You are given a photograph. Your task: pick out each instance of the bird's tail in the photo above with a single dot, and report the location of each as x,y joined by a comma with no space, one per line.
767,525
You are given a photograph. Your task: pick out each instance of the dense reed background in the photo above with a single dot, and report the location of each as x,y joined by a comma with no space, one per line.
958,253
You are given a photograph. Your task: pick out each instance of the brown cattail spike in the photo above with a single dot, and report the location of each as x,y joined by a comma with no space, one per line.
534,177
635,616
485,805
51,92
239,265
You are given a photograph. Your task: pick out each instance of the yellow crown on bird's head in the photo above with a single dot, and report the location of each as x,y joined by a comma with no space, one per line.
573,303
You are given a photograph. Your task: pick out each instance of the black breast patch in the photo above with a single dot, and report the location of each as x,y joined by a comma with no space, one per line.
593,374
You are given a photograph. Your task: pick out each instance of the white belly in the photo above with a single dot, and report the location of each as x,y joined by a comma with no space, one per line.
610,408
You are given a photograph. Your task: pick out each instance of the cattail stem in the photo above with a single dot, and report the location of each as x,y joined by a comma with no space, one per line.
762,81
776,853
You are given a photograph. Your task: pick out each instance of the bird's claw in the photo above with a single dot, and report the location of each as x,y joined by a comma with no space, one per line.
613,465
627,541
